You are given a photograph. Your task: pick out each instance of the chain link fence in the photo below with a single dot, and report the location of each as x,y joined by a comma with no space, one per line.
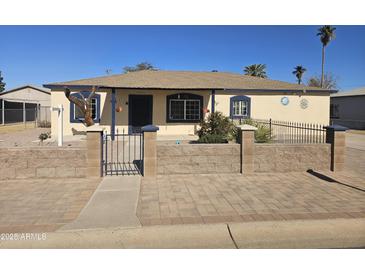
41,116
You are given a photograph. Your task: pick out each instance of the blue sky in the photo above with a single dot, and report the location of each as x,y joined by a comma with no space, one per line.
44,54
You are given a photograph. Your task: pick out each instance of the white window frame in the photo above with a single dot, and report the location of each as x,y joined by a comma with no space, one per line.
184,100
95,106
240,108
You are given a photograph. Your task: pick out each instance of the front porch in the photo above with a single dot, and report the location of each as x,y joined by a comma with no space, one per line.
176,112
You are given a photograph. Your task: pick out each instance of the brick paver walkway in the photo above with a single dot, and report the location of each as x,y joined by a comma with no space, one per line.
228,198
41,205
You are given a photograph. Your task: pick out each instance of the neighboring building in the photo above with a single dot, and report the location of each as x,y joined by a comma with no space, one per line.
348,108
177,100
25,103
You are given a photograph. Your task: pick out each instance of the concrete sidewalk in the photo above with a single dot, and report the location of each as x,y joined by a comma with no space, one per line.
113,204
334,233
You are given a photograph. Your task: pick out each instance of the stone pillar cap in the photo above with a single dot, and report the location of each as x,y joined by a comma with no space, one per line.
336,128
247,127
150,128
95,128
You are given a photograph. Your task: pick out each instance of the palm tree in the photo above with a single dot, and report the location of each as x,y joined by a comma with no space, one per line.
326,33
298,72
257,70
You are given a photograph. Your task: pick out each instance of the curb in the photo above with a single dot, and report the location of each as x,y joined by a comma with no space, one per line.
334,233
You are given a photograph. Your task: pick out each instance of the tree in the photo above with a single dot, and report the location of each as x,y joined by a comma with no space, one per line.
326,34
329,81
84,104
298,72
2,84
140,66
257,70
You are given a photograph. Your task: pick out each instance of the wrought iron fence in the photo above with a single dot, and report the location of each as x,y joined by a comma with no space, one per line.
122,154
294,132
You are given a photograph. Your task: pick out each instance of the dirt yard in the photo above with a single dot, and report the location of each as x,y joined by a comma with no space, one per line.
28,137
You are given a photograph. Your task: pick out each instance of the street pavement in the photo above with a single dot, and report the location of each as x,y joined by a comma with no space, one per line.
335,233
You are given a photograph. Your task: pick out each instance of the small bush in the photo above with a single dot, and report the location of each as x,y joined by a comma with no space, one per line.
212,139
262,134
44,136
44,124
217,128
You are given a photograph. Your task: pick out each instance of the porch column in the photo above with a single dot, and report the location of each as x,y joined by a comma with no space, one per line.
246,138
149,151
336,136
113,114
24,114
213,100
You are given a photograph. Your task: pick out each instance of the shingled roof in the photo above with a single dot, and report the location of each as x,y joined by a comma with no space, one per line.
162,79
354,92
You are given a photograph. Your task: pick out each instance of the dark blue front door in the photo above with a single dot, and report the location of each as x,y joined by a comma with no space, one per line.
139,112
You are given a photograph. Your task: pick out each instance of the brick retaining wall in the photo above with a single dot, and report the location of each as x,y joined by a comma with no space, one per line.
198,158
291,157
21,163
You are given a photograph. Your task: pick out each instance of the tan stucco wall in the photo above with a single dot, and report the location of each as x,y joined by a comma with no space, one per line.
59,98
263,106
159,111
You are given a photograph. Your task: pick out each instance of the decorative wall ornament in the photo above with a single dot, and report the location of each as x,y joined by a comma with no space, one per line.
284,101
304,103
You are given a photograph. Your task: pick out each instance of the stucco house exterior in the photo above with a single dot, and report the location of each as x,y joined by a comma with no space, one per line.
348,108
176,101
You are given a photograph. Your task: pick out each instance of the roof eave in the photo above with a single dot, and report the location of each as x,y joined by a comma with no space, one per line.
283,90
72,86
23,87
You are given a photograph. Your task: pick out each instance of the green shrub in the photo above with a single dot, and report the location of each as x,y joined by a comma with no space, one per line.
262,134
217,128
212,139
44,136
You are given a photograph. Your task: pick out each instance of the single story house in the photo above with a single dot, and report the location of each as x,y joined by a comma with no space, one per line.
348,108
176,101
25,103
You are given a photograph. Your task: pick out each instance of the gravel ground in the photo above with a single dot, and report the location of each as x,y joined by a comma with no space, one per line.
29,138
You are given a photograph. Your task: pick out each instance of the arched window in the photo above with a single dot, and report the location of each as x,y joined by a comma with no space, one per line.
240,107
184,108
76,115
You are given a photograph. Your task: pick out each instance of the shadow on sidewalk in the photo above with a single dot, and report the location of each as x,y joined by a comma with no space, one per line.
331,180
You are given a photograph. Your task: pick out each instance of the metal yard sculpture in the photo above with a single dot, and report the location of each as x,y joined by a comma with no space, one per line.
84,104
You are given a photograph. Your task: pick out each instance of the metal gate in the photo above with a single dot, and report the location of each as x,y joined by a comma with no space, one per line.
123,154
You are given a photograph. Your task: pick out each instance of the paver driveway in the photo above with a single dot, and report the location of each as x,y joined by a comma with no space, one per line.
225,198
41,205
